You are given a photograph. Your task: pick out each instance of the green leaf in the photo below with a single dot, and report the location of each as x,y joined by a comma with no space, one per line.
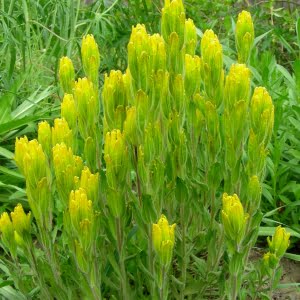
295,257
269,231
260,37
6,153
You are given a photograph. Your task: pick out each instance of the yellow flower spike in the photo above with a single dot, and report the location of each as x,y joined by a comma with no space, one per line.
192,74
20,220
44,137
115,100
21,148
66,166
173,20
116,158
163,239
35,164
233,217
87,106
212,66
244,36
90,182
68,110
279,242
80,208
138,49
66,74
237,86
90,58
190,37
61,133
262,115
6,226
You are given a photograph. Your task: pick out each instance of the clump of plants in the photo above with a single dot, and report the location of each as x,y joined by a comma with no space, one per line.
149,187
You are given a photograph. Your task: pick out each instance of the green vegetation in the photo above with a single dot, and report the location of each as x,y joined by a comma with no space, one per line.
34,36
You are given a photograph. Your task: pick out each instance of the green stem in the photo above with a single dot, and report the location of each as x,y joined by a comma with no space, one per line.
233,280
183,251
123,292
271,283
150,259
138,181
162,283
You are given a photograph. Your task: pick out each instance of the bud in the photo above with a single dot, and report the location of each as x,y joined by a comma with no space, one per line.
280,242
237,86
68,110
234,219
163,238
66,74
87,105
190,37
66,167
262,115
244,36
7,233
192,75
20,220
173,21
21,147
44,137
270,260
114,97
90,58
212,66
116,158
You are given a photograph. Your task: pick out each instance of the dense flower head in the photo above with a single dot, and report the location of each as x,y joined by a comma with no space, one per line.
66,74
279,242
244,36
61,133
68,110
20,220
233,217
163,237
90,57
